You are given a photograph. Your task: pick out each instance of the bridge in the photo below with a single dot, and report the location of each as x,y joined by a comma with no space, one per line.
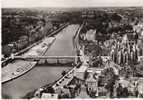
48,59
45,57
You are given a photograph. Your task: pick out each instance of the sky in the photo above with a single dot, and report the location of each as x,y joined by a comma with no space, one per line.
69,3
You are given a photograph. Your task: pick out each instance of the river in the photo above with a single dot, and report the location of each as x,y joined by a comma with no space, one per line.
41,75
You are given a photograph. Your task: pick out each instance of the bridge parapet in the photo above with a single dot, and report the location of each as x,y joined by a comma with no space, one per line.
45,57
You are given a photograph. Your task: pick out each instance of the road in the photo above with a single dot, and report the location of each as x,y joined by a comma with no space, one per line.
41,75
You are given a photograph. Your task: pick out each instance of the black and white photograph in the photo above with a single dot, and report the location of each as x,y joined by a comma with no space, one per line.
71,49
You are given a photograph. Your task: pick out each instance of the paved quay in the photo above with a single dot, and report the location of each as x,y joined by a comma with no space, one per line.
41,75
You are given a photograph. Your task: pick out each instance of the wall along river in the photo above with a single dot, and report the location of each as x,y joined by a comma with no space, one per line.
41,75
